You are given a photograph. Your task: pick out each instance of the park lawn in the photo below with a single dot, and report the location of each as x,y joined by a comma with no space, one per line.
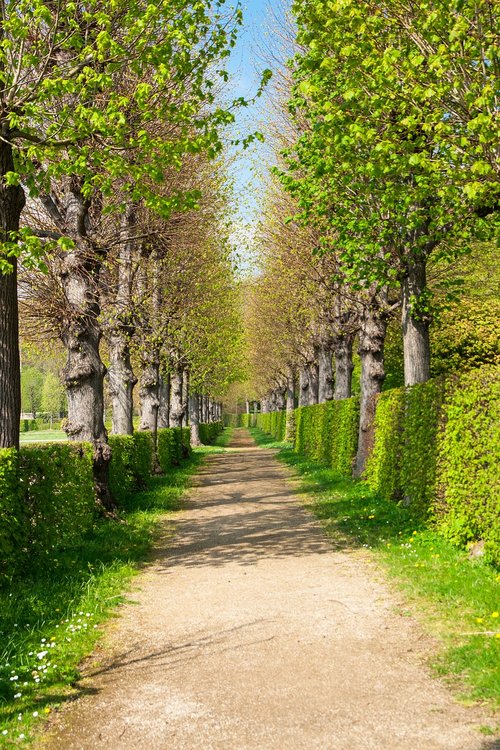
456,600
42,436
52,616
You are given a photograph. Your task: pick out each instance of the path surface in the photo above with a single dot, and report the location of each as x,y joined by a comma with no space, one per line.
250,633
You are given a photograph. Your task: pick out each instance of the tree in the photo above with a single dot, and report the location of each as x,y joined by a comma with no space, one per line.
53,395
69,130
396,162
32,380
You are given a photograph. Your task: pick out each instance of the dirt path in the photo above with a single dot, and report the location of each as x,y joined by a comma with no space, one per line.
250,633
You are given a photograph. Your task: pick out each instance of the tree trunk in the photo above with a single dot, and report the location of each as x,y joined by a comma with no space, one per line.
176,407
121,381
247,406
325,374
164,407
194,418
12,202
313,383
343,366
83,374
416,343
185,399
290,409
121,376
149,394
304,386
371,351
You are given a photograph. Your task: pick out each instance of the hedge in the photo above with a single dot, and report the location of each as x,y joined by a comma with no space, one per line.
467,506
174,445
273,423
47,500
328,433
210,431
240,420
131,461
436,448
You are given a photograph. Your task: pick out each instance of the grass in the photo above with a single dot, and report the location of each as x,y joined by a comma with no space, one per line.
457,600
51,617
42,436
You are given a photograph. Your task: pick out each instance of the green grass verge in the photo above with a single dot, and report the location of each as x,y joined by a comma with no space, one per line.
224,438
456,599
50,618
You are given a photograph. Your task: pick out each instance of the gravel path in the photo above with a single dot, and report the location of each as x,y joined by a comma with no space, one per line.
250,633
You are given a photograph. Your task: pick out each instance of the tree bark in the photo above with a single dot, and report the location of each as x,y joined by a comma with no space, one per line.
121,376
304,387
416,343
194,418
12,202
313,383
176,405
149,392
343,366
164,406
80,332
290,409
371,351
121,380
325,374
185,399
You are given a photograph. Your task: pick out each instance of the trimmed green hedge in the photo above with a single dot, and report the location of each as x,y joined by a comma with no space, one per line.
12,527
174,445
130,466
436,448
274,423
47,500
328,433
240,420
467,506
209,432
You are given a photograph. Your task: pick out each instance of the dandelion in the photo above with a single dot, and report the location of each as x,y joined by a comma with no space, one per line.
495,614
479,620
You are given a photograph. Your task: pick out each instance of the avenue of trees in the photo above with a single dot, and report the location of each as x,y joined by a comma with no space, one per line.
112,211
385,197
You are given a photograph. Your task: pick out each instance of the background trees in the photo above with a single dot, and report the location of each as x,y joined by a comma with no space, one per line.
393,184
81,85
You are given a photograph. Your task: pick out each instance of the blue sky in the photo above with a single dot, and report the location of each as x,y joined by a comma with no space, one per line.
245,69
